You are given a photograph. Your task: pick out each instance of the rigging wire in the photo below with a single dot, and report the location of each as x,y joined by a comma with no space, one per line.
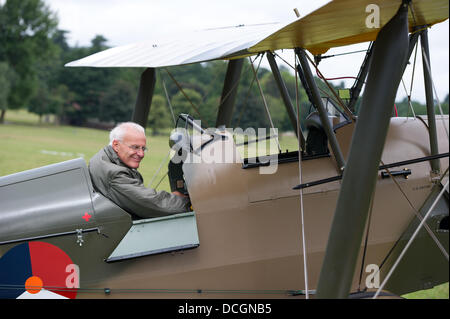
156,187
333,100
305,262
416,212
366,241
427,65
224,98
409,101
158,170
249,89
412,79
339,54
211,87
185,95
284,60
410,241
265,105
167,97
343,105
406,230
411,85
174,122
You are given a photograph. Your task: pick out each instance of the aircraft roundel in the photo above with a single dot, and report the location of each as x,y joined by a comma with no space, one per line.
37,270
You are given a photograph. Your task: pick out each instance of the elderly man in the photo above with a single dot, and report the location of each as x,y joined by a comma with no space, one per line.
114,174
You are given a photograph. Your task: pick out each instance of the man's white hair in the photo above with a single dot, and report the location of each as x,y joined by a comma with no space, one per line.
119,131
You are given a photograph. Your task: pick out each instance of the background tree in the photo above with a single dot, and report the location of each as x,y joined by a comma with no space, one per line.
6,78
181,104
117,103
445,105
40,103
159,117
89,85
25,39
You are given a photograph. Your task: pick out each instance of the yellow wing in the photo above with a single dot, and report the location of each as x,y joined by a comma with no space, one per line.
343,22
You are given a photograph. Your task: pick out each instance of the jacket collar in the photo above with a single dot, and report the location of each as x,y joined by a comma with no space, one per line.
113,157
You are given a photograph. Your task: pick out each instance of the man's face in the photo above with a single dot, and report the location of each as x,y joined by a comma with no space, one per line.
130,149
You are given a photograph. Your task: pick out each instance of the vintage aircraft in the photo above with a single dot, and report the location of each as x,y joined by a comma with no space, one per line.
361,210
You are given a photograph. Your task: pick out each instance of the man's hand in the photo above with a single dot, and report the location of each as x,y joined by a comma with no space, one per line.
179,194
189,206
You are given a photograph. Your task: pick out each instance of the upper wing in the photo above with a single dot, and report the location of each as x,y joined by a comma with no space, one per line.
199,46
338,23
343,22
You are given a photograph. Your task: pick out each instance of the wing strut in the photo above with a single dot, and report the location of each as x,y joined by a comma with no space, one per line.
360,80
144,98
229,92
285,96
360,174
317,102
435,165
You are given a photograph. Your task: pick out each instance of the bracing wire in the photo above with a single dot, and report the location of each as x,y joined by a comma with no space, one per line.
341,103
279,56
402,235
339,54
416,212
158,170
409,101
410,241
185,95
265,105
427,65
412,78
366,241
167,97
411,85
305,261
249,90
157,185
174,122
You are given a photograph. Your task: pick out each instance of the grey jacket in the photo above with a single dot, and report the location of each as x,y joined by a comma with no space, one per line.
124,186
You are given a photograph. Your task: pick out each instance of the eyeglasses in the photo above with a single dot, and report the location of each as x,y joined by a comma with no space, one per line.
136,148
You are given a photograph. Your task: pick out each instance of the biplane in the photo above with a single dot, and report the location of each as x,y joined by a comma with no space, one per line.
360,209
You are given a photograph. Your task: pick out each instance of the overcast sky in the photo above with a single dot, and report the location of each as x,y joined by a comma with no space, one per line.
124,22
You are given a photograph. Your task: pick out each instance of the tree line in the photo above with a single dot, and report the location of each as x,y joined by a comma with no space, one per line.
33,52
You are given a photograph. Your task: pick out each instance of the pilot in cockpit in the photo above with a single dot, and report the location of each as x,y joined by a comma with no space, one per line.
114,174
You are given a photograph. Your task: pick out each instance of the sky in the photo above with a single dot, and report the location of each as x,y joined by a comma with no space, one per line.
124,22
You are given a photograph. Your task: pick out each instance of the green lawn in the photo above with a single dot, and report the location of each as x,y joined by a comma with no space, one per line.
438,292
25,144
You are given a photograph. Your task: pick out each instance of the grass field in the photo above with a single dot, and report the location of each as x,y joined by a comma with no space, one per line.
25,144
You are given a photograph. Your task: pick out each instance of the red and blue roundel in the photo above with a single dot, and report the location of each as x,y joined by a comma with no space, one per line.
37,270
